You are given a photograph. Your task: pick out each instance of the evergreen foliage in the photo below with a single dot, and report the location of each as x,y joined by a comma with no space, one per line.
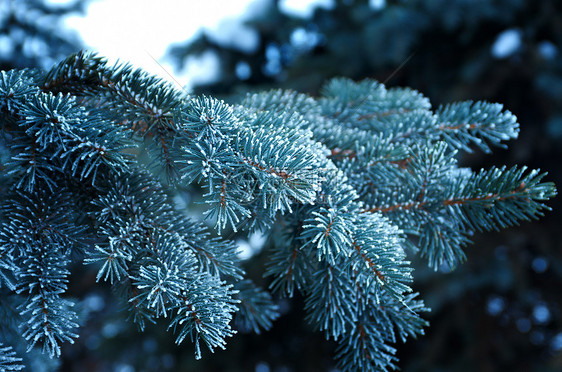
445,49
8,359
345,186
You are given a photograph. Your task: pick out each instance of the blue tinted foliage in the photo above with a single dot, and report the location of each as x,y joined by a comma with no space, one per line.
344,185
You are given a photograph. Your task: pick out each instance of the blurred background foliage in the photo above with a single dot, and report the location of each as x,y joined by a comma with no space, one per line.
32,33
502,309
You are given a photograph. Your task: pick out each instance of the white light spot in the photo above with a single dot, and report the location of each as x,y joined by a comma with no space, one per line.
539,264
110,330
233,33
377,4
257,241
93,302
6,46
507,43
203,69
243,70
541,314
252,246
304,8
495,306
58,2
244,250
547,50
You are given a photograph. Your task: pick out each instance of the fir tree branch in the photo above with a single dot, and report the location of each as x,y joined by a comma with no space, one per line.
336,183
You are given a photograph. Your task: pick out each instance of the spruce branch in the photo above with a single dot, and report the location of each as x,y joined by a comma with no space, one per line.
8,359
341,185
256,310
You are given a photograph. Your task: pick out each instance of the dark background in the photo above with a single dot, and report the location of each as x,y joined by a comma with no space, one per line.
499,311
